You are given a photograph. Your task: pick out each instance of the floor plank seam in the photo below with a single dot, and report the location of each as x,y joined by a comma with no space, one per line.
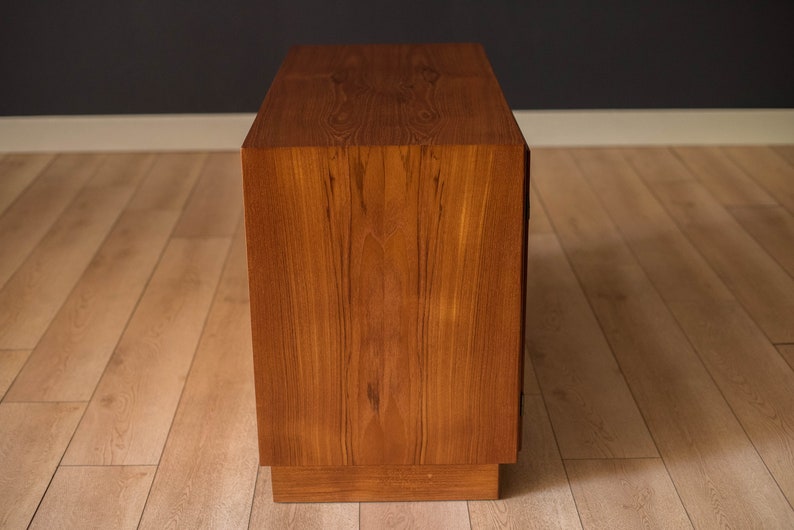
542,397
634,257
697,249
103,158
29,184
755,178
593,311
678,324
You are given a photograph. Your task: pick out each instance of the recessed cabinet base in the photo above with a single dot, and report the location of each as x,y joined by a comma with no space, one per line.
385,483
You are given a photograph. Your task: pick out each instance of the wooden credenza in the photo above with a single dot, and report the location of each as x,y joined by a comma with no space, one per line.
385,207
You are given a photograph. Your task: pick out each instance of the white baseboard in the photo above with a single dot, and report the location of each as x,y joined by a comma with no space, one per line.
183,132
656,127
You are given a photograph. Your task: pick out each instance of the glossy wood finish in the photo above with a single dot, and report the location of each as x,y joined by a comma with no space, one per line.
206,469
412,94
386,227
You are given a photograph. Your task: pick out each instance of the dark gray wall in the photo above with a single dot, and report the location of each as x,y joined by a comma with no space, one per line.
155,56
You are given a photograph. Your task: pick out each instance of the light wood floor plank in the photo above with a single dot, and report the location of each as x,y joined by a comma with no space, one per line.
128,418
216,204
728,183
531,387
538,224
123,169
268,514
538,220
26,221
752,377
591,408
414,515
11,362
626,494
671,261
658,164
169,182
773,228
758,282
787,351
95,497
716,470
71,356
535,491
33,437
31,298
786,152
749,372
769,169
17,171
207,473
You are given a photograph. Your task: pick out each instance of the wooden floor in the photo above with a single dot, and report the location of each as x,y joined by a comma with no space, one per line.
660,388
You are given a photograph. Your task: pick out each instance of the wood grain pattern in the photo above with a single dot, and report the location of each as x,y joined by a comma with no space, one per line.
169,182
417,274
129,415
71,356
625,494
453,515
267,514
422,94
769,169
17,171
29,218
33,437
756,280
773,228
95,497
207,472
535,490
384,483
590,406
758,388
215,206
726,181
715,468
32,297
11,362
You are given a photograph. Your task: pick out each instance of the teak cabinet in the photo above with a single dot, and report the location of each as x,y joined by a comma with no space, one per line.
386,207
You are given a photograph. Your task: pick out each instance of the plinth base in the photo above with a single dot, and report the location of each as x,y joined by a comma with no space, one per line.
385,483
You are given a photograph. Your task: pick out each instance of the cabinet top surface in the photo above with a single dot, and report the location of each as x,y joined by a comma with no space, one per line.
385,94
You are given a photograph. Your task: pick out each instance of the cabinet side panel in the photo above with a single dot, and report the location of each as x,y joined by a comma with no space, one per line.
383,376
298,319
471,228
